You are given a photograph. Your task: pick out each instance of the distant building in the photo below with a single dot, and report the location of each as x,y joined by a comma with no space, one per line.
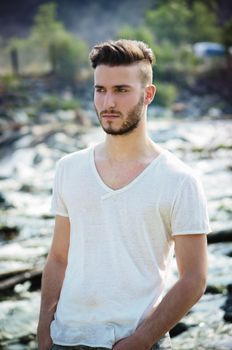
212,54
209,49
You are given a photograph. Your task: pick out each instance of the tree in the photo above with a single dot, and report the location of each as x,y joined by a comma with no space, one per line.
203,24
65,52
68,56
169,22
180,23
46,28
142,33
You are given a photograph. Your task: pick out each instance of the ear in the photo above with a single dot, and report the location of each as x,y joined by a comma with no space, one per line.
149,94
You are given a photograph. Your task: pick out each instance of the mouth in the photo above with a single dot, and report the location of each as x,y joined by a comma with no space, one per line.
110,116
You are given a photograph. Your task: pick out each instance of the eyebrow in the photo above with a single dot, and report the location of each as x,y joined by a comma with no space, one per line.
115,86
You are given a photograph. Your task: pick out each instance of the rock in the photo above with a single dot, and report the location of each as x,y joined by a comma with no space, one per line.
228,315
66,115
83,118
214,113
4,204
37,159
18,322
229,288
227,307
10,136
179,107
21,117
8,233
2,199
26,188
221,236
25,339
213,290
178,329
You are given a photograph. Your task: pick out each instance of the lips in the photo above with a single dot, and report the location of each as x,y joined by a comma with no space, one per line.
110,116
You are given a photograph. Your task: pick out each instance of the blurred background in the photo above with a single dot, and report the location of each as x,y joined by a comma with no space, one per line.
46,111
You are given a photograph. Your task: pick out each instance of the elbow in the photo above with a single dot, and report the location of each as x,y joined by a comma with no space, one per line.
201,285
195,286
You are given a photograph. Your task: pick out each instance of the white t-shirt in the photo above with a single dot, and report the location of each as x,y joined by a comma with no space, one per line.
121,244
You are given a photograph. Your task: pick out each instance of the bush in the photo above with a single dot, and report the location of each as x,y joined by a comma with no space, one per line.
68,55
166,94
50,47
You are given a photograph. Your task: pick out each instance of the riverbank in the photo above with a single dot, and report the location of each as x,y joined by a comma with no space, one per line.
27,162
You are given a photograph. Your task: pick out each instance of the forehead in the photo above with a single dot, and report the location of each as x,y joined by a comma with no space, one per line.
117,75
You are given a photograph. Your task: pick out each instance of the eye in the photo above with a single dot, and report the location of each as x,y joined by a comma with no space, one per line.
122,89
99,89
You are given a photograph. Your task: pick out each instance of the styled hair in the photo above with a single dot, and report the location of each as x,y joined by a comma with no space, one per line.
122,53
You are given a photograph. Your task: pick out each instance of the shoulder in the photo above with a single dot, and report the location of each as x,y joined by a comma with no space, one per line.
173,167
73,158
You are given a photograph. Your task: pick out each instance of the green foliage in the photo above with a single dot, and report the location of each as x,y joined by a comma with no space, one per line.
50,47
170,56
203,24
227,34
179,23
10,82
166,94
46,28
52,103
32,55
65,52
174,63
170,22
170,29
67,55
142,33
16,43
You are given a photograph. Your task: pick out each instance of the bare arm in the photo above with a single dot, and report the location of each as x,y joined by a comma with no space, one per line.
52,279
191,256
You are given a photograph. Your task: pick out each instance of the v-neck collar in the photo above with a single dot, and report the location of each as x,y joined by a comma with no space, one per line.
131,183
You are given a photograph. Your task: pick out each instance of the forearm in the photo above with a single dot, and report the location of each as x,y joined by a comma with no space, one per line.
52,281
182,296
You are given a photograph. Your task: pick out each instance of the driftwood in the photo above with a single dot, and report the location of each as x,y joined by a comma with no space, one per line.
7,284
9,280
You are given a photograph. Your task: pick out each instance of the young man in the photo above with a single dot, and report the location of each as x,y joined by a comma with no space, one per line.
121,208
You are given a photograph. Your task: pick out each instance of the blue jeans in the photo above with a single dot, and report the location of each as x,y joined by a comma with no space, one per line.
163,344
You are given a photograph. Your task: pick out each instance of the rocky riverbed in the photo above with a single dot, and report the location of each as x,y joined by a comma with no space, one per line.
27,161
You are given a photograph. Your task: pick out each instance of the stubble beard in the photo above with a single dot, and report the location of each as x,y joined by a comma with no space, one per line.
130,124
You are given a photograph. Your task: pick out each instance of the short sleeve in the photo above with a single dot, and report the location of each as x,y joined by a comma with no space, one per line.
57,203
189,212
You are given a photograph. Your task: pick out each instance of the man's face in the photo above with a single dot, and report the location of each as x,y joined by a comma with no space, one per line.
118,98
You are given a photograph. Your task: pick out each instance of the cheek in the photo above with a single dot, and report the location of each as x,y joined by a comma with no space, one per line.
97,101
131,101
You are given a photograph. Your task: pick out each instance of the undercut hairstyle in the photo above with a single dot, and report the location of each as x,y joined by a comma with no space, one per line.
124,53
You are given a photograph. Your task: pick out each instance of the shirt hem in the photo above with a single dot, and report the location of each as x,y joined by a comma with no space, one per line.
85,344
59,213
196,232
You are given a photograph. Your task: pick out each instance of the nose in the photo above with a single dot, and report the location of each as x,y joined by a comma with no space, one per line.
109,101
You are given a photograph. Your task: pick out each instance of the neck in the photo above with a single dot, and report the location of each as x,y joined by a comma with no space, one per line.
128,147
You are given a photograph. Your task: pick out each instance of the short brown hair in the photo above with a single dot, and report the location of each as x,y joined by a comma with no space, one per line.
122,53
